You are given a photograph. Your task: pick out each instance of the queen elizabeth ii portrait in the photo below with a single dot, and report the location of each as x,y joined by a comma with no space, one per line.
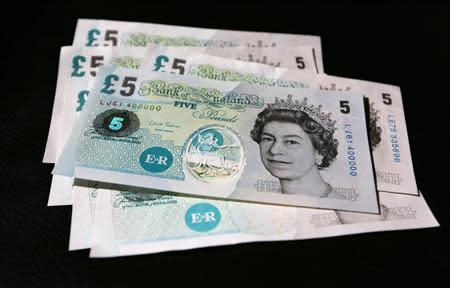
296,142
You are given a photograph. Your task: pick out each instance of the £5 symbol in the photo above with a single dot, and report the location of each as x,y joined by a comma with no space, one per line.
177,65
110,38
202,217
128,85
77,67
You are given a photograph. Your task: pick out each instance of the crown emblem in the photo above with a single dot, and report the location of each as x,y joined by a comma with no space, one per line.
313,112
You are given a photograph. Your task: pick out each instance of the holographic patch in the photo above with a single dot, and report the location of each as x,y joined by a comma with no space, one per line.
214,154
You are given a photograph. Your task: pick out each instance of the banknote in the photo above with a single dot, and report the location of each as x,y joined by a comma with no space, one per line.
130,221
226,139
119,33
80,65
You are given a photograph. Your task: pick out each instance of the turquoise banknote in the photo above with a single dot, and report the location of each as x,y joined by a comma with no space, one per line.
225,139
107,33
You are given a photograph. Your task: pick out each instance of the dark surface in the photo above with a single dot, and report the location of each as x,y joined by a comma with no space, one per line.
405,45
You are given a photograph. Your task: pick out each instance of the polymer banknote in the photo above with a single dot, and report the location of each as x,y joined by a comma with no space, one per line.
245,155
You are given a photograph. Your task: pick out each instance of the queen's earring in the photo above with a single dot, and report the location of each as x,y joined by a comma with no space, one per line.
318,159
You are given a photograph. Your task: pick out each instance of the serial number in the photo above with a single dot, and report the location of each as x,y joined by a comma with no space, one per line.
351,153
140,106
395,147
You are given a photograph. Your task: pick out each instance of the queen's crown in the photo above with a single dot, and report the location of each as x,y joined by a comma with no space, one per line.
313,112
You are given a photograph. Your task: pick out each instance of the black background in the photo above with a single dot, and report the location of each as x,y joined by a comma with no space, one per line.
404,44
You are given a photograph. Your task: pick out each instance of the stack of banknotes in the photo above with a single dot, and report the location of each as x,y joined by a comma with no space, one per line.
169,138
